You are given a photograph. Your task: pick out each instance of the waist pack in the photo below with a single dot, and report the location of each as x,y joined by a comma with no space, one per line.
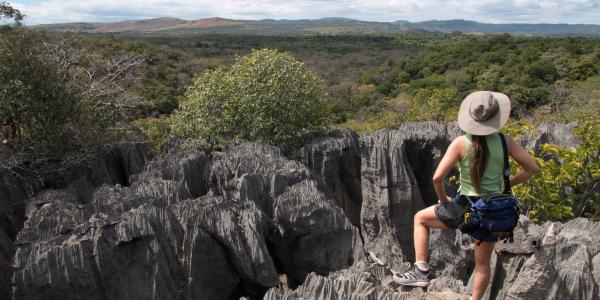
493,215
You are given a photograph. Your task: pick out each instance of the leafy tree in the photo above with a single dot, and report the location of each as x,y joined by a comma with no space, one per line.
379,121
266,95
372,76
44,116
543,70
587,66
58,101
7,11
386,87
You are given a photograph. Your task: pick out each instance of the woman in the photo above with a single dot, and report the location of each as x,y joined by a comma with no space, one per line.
481,159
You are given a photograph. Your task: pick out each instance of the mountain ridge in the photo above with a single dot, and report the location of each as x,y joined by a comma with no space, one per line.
330,25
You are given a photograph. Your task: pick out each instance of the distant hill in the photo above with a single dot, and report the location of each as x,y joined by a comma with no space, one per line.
319,26
150,25
514,28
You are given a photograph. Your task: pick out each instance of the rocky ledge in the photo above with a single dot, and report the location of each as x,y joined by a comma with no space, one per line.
330,220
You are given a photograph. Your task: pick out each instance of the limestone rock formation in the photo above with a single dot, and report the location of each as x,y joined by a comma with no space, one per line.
396,171
186,226
329,220
336,159
362,281
553,133
563,266
18,187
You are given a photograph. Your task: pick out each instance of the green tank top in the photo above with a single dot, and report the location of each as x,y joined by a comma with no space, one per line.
491,181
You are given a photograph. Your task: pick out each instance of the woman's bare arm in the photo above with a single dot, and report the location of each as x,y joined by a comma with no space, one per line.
451,157
524,159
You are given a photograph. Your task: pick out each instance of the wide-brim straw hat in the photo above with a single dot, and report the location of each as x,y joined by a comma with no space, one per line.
483,112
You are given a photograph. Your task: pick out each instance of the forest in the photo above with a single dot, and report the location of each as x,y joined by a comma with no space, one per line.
371,75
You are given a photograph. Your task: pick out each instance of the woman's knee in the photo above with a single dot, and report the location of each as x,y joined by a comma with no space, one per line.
418,217
421,217
425,217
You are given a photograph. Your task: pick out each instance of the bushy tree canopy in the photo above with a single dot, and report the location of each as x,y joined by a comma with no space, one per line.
43,113
267,95
58,101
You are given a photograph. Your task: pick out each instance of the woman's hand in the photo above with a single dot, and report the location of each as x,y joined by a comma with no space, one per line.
448,199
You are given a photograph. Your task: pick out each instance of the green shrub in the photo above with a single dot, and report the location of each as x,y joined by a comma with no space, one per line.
568,184
430,82
524,99
156,129
376,122
267,95
434,104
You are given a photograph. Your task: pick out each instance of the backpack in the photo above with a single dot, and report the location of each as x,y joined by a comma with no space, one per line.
494,215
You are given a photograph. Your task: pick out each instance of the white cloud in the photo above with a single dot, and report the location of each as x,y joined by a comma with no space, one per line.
494,11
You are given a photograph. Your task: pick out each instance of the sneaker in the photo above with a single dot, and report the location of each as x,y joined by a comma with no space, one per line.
414,277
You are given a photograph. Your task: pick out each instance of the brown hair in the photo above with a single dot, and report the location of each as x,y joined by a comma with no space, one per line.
479,160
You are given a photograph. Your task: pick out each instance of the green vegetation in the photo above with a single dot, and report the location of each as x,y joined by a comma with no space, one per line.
173,61
266,95
157,130
568,184
45,115
59,102
366,74
538,74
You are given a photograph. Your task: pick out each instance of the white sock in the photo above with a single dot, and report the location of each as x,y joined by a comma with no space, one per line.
422,265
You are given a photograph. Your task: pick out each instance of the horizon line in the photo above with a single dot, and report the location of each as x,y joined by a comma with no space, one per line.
308,19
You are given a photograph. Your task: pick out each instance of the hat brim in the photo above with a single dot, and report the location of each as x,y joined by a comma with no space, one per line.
470,125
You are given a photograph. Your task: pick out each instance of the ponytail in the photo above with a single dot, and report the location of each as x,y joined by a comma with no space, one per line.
479,160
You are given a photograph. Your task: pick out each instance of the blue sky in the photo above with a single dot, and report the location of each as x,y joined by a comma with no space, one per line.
488,11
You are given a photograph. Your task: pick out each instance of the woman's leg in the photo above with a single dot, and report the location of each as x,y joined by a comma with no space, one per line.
424,220
421,275
483,254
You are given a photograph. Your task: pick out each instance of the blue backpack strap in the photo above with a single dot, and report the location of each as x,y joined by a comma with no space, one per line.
506,171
